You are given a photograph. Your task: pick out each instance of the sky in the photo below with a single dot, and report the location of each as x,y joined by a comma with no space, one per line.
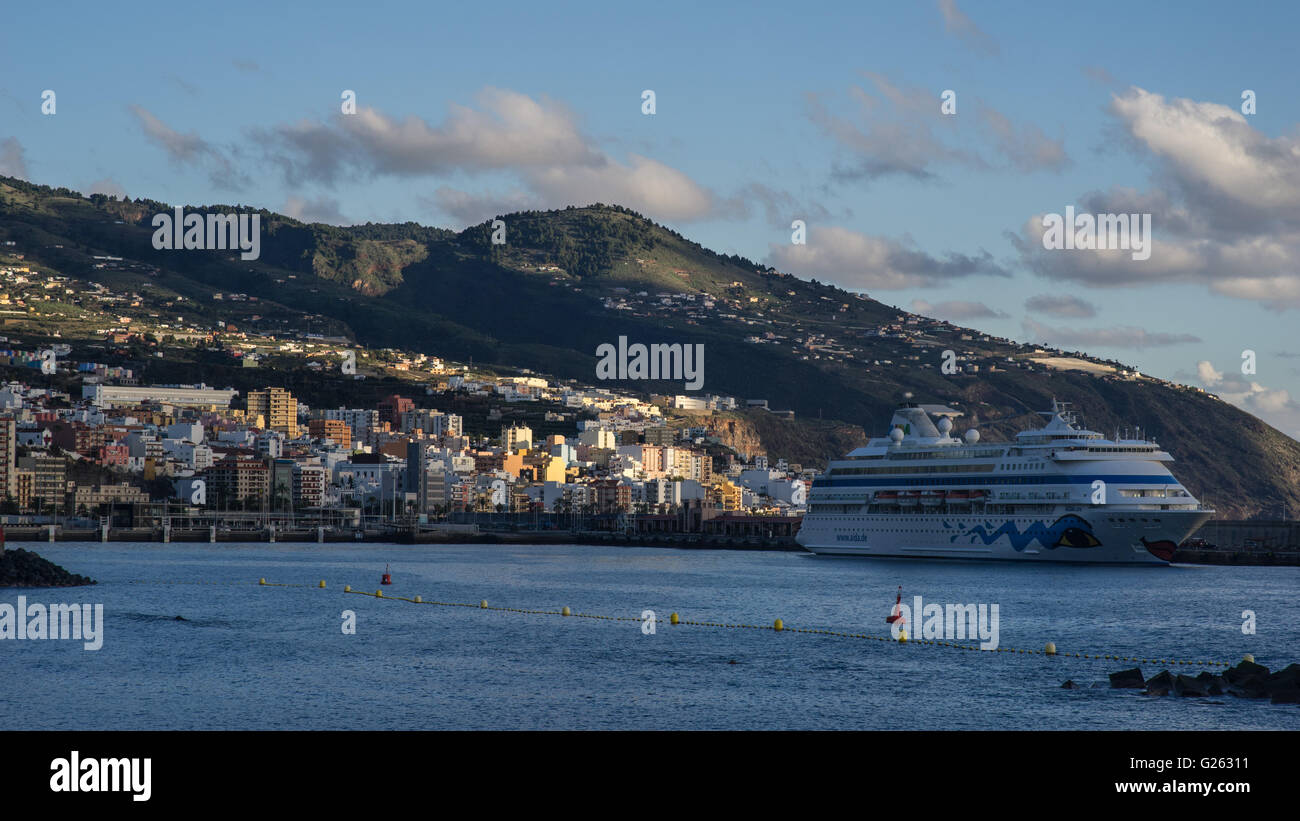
764,113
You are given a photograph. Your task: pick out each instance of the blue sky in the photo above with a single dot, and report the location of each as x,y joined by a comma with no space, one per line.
765,113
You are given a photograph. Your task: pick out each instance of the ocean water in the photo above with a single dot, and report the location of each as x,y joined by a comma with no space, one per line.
252,657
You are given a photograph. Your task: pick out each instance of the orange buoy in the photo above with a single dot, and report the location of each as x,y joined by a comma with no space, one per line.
388,577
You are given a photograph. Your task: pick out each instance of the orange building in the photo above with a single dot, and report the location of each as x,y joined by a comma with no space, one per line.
336,429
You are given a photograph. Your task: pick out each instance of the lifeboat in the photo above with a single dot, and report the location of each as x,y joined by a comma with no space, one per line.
909,497
887,497
959,496
933,497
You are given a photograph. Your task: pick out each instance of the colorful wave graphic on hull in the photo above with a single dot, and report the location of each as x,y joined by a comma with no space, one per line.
1067,531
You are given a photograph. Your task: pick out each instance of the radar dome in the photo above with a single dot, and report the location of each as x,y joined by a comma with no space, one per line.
896,434
945,425
972,436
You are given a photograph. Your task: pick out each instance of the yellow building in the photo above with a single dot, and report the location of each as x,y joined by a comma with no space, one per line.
726,496
278,409
24,487
90,498
554,470
8,451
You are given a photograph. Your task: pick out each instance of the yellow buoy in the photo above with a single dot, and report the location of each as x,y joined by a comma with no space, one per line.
1248,657
1050,649
673,619
902,636
483,604
778,625
347,588
261,581
379,594
322,583
564,612
419,600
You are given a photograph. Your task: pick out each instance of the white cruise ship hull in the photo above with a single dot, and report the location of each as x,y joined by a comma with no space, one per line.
1070,534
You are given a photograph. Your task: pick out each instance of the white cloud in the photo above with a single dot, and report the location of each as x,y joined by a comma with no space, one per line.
1122,337
1208,375
954,310
107,186
511,131
191,149
1274,405
1061,305
471,209
1212,147
1225,212
856,260
321,209
956,22
893,130
13,160
643,185
538,141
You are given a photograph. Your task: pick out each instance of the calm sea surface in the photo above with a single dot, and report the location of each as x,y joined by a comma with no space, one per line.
248,656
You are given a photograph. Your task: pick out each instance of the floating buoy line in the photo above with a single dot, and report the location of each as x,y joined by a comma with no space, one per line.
777,625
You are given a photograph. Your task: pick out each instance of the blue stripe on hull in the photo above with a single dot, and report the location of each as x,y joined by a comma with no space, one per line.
853,481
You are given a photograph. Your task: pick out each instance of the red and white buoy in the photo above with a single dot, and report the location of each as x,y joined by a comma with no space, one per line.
897,615
388,577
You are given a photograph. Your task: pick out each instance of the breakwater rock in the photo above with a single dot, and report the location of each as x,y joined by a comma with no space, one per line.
1246,680
23,568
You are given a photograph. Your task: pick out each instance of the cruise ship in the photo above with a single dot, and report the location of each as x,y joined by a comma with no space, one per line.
1059,494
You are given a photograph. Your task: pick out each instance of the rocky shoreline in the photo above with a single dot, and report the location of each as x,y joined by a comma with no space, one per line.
23,568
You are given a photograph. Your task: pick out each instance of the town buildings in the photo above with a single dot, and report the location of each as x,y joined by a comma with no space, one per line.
546,447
